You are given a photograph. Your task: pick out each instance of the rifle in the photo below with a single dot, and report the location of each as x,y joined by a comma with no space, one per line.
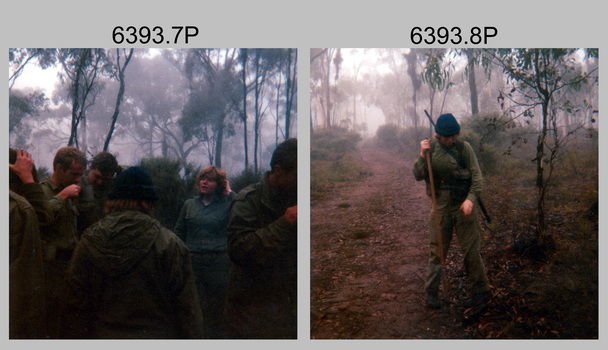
434,199
429,116
479,201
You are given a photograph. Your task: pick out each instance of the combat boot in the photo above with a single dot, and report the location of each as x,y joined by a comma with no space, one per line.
432,301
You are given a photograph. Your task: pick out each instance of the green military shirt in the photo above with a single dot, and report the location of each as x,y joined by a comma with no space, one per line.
61,233
27,310
203,227
444,164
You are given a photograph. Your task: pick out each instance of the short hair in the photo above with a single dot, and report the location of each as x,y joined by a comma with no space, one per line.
105,162
286,155
213,173
67,155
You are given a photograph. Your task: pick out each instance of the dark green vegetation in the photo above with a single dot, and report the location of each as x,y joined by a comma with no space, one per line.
331,160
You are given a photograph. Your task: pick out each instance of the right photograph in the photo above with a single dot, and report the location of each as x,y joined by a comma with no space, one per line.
454,193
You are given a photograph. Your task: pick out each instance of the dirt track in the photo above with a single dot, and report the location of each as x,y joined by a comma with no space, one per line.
369,249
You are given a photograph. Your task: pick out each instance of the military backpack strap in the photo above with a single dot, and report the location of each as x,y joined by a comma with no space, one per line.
460,148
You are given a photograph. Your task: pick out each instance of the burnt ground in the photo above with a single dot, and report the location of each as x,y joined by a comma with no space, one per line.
369,250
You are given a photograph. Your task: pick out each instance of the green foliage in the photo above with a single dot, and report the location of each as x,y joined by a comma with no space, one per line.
433,73
173,185
499,143
332,144
331,162
21,106
389,135
42,173
245,178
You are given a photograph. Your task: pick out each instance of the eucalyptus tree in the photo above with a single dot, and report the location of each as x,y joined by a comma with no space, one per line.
210,109
119,74
290,64
83,70
153,105
243,60
22,106
436,74
412,64
322,61
541,83
18,59
264,67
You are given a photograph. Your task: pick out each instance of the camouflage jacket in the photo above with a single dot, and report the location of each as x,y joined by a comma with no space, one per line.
27,309
262,244
61,232
131,278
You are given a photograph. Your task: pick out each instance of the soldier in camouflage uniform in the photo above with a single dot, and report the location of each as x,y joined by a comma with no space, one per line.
131,278
457,215
28,210
95,184
60,236
262,244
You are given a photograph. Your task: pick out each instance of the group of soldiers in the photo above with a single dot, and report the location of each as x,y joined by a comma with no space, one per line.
88,260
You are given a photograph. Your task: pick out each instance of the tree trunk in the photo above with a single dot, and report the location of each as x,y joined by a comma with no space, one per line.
121,92
327,88
76,107
244,79
290,90
472,83
540,179
256,123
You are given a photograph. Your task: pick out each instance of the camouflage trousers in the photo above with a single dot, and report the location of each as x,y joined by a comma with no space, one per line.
467,230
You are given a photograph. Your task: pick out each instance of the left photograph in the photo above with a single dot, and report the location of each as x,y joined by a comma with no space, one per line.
153,193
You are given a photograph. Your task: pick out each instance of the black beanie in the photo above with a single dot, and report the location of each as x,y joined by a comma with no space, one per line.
447,125
133,183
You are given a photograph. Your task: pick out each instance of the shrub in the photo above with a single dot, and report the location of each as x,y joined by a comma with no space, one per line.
247,177
332,144
330,154
389,135
173,184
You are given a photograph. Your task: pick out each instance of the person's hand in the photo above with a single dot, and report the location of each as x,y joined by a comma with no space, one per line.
425,145
291,214
227,190
72,191
466,207
23,167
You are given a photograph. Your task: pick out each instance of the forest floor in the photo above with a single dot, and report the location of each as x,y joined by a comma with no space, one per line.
369,251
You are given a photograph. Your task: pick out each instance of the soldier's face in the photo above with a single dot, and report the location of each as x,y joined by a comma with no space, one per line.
70,175
289,182
448,141
97,179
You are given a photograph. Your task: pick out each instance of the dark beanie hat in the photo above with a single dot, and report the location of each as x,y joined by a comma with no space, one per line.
133,183
447,125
